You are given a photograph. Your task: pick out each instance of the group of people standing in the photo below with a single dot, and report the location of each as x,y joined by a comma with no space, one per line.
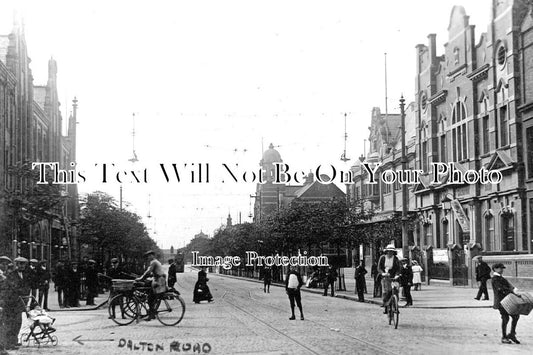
72,279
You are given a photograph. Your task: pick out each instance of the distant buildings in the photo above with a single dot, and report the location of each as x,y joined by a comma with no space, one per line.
31,131
271,196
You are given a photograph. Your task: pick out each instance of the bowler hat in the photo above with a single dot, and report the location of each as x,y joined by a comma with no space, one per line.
497,266
92,261
35,261
5,259
114,260
20,259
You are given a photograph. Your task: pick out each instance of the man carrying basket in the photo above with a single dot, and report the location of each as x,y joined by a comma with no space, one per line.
502,288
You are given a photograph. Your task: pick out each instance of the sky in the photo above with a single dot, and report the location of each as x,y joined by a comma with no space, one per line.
215,82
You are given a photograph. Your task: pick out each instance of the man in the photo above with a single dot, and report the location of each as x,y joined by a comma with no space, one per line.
4,262
406,281
359,276
293,283
17,285
171,273
44,284
502,288
91,282
482,275
331,276
73,285
267,279
33,276
158,283
60,284
388,267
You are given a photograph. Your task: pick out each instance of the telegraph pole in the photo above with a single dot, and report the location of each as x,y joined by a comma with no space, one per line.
405,201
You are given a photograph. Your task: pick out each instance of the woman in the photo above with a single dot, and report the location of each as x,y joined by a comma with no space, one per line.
417,275
201,290
388,267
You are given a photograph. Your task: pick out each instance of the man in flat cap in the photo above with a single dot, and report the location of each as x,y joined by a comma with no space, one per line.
17,285
502,288
159,281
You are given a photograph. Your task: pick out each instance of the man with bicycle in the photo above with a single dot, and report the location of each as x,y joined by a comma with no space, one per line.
389,267
158,283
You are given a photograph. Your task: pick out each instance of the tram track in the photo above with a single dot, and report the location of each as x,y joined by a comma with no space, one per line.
351,338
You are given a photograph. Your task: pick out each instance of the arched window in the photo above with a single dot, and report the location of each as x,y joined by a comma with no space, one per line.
459,132
508,242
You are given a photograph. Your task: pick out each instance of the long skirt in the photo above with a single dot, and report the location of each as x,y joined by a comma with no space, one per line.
201,292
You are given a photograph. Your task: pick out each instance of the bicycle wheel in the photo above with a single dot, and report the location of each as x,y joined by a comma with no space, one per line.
123,309
170,309
53,340
390,311
395,311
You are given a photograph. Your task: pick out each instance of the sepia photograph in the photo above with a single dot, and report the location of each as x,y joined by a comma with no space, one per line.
266,177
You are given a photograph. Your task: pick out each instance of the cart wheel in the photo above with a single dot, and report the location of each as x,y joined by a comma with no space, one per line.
53,340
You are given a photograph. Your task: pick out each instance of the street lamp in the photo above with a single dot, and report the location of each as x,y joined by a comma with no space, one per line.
405,247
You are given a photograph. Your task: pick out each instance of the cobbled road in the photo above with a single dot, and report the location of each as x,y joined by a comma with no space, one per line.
245,320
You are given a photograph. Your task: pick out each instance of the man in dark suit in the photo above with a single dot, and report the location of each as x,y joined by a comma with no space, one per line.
44,284
359,275
17,284
91,282
331,276
482,275
171,280
502,288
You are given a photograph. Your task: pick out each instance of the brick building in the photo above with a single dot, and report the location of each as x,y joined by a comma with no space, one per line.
474,108
31,131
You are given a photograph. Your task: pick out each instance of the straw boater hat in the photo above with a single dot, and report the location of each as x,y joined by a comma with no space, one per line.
20,259
389,247
5,259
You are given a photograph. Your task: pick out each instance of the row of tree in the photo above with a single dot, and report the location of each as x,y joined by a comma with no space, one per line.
301,226
109,231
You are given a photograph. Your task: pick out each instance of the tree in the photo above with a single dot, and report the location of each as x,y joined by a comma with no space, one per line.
109,231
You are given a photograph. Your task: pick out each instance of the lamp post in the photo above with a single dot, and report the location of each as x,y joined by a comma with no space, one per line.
405,247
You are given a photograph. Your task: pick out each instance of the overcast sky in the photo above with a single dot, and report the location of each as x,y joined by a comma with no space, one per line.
209,81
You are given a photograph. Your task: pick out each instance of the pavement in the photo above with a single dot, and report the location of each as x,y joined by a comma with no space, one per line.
434,296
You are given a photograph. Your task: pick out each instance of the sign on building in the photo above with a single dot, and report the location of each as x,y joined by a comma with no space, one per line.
460,216
440,255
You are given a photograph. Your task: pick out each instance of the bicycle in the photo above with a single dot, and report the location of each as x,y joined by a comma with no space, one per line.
392,304
132,301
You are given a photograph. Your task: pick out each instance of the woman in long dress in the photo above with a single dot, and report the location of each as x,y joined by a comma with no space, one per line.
417,275
201,290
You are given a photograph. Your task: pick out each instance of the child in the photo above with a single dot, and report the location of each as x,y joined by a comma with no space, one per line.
41,318
502,288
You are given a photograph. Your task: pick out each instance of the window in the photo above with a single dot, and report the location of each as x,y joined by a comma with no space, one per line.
456,56
459,132
502,55
508,232
485,133
504,126
424,156
488,244
529,150
443,148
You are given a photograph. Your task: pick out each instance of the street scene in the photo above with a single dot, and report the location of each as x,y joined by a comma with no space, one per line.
236,177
